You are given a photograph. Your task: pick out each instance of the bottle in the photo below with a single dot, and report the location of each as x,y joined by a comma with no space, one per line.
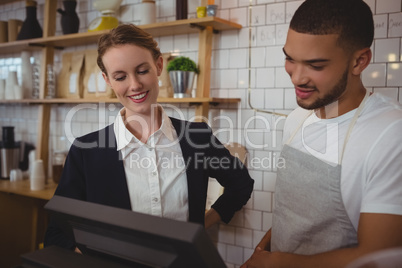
181,9
35,80
30,27
51,82
70,22
26,74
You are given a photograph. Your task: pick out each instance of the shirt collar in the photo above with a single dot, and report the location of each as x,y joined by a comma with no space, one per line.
125,137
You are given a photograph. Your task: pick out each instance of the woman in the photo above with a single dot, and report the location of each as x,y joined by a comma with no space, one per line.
147,161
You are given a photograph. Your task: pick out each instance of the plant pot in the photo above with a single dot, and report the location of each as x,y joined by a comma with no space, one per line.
182,83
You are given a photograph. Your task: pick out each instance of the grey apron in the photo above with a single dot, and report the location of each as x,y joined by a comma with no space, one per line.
309,215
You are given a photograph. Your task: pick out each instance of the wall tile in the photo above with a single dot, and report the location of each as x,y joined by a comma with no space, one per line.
238,219
258,178
180,42
269,180
275,56
252,220
238,58
256,99
275,13
290,99
229,79
247,119
243,3
274,99
394,77
243,78
257,57
265,77
254,139
229,4
400,96
389,92
244,237
262,200
244,37
267,221
226,234
257,236
257,15
387,50
374,75
385,6
229,39
239,15
234,254
266,35
247,253
166,8
380,26
395,25
282,78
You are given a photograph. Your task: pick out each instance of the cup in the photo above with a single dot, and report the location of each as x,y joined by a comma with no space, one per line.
201,12
16,175
38,176
18,94
148,12
10,83
211,10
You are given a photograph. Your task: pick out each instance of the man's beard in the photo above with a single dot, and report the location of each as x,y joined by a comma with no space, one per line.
331,97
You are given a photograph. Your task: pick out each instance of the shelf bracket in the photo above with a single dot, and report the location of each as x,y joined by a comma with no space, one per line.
195,25
43,45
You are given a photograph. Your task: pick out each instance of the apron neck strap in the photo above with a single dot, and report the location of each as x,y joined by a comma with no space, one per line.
351,125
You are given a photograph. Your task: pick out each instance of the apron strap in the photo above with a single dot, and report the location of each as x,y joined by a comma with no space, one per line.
351,125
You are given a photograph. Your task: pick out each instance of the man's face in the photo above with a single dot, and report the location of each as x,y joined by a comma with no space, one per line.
318,68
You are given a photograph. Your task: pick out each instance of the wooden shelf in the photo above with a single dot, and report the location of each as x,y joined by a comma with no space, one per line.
156,29
212,101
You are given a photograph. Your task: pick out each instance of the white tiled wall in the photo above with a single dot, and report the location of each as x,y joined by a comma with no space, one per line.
238,62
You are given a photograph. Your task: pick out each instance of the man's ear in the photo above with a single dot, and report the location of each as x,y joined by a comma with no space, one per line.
361,60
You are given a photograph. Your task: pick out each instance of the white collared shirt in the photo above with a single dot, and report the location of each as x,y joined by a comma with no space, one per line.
155,171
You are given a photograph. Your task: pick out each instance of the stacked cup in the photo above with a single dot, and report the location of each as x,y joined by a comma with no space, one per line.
38,176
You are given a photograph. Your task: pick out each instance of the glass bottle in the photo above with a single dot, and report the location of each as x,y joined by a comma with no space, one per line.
30,27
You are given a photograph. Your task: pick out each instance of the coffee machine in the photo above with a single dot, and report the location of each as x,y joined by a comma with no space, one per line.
9,152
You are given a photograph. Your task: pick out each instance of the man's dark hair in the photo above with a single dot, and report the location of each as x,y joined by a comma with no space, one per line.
351,19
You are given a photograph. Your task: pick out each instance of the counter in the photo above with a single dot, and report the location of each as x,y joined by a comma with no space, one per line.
23,220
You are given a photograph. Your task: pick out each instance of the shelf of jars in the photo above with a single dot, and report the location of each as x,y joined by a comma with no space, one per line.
156,29
196,100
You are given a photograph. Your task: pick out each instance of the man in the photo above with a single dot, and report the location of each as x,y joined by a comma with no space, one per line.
339,195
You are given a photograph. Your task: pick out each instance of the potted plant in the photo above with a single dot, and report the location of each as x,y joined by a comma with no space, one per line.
182,71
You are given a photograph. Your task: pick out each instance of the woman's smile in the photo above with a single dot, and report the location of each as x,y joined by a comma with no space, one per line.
140,97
